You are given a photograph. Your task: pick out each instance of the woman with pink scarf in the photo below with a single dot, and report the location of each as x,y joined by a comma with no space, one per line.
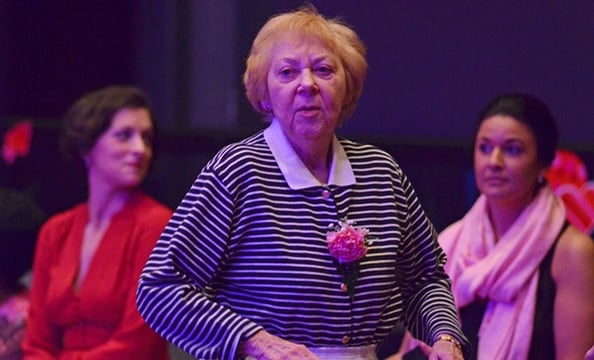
522,277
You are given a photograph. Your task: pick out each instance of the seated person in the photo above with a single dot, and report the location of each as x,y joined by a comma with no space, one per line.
20,219
89,257
522,276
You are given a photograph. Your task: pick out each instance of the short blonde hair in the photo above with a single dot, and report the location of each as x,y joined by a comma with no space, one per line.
306,22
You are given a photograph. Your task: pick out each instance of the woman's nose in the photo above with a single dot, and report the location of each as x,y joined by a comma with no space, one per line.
496,157
139,144
308,81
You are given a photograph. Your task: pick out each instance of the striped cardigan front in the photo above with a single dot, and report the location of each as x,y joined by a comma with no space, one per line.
243,251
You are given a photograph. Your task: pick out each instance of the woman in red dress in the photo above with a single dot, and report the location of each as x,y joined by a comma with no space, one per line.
88,258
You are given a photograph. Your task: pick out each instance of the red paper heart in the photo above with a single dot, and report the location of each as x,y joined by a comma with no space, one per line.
579,203
567,168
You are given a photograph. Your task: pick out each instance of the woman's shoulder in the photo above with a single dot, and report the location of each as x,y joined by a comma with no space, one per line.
574,252
151,205
242,154
368,154
57,226
64,219
147,210
248,145
574,241
351,146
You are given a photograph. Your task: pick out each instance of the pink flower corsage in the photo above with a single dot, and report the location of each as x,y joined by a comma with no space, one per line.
348,245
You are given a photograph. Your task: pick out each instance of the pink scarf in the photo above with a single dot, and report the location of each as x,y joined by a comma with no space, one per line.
505,273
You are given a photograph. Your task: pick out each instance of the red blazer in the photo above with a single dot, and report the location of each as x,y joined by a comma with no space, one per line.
100,320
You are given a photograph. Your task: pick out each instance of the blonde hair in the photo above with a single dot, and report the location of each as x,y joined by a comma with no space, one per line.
307,23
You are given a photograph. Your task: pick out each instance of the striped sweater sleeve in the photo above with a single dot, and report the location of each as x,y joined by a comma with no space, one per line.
429,302
172,290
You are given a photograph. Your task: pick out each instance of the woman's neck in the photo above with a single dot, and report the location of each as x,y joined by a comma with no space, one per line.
104,202
317,158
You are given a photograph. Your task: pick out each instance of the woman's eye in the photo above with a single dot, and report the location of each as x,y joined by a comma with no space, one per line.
485,148
513,149
324,70
123,135
287,72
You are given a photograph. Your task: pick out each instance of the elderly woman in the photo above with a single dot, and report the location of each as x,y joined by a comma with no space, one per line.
523,278
88,258
293,243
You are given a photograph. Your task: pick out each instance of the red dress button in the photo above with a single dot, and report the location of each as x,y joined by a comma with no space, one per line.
326,194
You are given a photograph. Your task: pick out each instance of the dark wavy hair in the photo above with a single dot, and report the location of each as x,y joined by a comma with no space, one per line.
91,115
20,220
532,112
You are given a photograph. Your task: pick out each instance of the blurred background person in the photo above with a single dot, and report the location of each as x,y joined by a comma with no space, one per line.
294,243
523,277
20,220
88,258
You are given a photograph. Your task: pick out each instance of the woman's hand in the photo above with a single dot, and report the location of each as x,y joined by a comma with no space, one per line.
445,350
265,346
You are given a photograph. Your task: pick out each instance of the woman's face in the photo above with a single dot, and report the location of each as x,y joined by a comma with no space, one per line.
122,154
505,160
306,88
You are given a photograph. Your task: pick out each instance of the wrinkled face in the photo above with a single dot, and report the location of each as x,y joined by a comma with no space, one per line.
122,154
306,88
505,160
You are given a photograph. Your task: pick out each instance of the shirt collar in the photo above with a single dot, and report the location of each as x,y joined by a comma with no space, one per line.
294,170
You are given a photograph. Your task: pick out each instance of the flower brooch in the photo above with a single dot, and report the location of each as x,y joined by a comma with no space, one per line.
348,245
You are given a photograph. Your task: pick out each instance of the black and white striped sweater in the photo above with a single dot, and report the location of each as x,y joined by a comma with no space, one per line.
245,251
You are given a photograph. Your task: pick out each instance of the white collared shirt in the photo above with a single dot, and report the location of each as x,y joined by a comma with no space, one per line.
294,170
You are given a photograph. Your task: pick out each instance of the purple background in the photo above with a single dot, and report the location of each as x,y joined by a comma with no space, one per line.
432,66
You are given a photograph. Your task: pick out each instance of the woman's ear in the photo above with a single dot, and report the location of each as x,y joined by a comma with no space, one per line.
266,106
542,174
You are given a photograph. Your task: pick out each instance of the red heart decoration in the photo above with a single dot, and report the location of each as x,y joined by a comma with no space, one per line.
567,168
579,204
